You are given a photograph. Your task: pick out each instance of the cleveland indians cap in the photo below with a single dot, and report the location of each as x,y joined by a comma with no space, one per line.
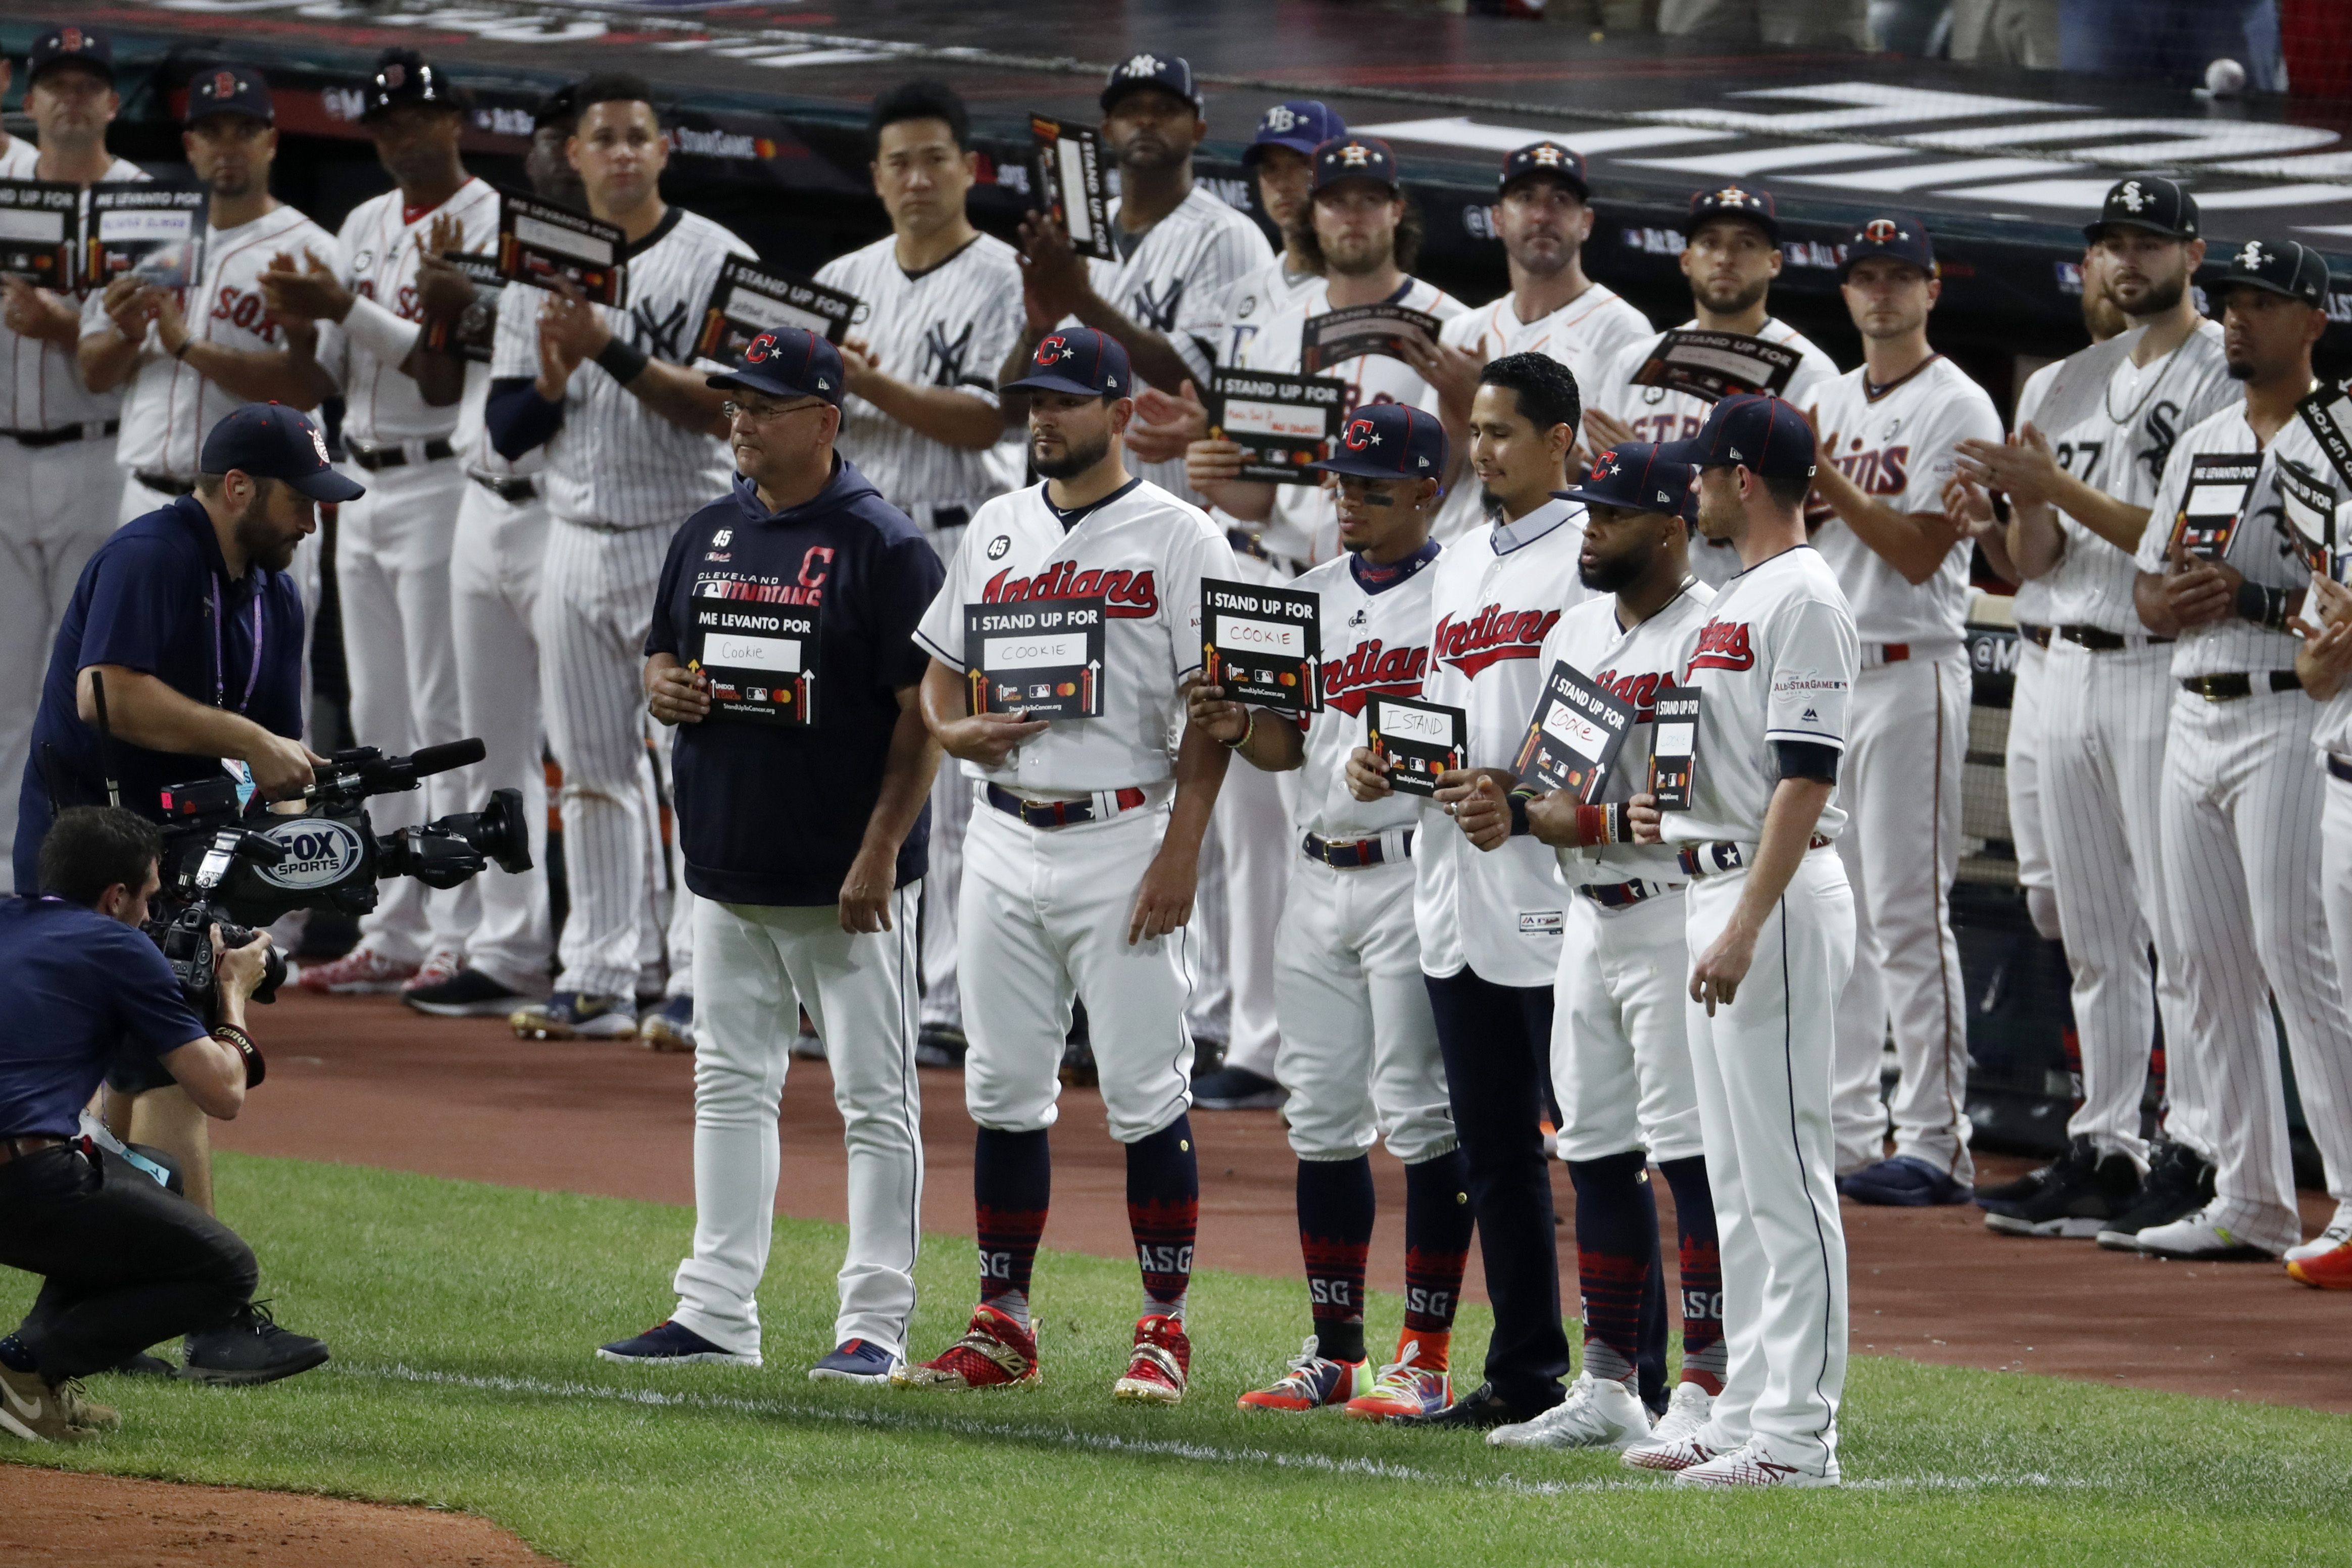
1345,158
1905,239
1636,478
1081,362
1544,161
271,441
1388,441
786,362
1171,73
2150,202
1736,201
402,76
93,52
2285,267
1300,124
230,90
1761,434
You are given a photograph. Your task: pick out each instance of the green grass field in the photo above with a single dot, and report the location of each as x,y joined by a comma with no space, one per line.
463,1317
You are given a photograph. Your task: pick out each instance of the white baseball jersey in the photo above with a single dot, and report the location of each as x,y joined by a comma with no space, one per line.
1775,661
615,461
948,326
1373,643
382,406
43,389
2264,546
1497,592
2031,603
1630,663
1227,320
1144,552
1897,444
2333,730
169,408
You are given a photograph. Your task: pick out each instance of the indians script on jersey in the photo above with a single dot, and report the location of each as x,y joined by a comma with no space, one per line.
1492,634
1722,645
1127,596
1371,668
1639,692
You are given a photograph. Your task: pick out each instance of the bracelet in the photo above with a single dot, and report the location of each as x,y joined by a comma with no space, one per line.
255,1070
1518,800
1242,741
185,344
1603,824
624,360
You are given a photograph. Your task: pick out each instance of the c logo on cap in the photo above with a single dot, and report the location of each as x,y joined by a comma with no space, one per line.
757,351
1053,350
1360,435
1879,230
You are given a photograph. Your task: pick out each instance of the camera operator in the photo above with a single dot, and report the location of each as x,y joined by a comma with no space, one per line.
127,1262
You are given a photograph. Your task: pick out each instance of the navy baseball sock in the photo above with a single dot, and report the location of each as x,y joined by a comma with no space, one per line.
1336,1205
1012,1187
1163,1212
1616,1236
1437,1226
18,1357
1704,1355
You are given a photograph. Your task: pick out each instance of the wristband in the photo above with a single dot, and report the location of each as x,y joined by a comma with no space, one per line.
2265,607
623,360
255,1070
1518,800
378,331
185,344
1591,825
1249,729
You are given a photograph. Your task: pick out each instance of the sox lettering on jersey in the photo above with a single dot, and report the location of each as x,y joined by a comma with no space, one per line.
1492,634
245,311
1131,595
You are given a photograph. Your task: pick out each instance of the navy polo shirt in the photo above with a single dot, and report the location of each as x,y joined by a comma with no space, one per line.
147,601
76,988
771,813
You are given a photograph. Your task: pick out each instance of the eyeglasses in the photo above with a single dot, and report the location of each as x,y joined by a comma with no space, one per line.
734,411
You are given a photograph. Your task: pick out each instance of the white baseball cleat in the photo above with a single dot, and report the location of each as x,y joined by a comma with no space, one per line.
1686,1412
1753,1464
1672,1454
2338,1232
2202,1238
1599,1413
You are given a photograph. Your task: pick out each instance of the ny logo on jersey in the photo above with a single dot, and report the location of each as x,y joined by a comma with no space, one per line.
661,338
1722,645
944,360
1156,307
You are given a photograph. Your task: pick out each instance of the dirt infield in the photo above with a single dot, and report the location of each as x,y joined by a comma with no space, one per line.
366,1081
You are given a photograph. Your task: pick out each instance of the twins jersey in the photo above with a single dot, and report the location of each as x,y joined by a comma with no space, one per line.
1897,444
948,326
1630,663
382,406
1496,595
1229,320
1374,643
1144,552
615,461
43,389
168,407
1774,661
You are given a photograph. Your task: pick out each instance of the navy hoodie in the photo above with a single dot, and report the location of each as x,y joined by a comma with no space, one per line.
773,813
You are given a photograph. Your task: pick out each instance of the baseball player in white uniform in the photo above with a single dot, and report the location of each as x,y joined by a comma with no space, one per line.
2325,664
1080,864
631,446
1771,931
1731,257
2221,568
59,505
1888,432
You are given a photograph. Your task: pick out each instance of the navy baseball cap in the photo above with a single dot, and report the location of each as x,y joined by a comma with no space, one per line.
2285,267
786,362
271,441
1300,124
1905,239
1173,73
230,90
403,76
1081,362
561,107
94,52
1761,434
1345,158
1736,201
1636,478
1388,441
1544,161
2146,201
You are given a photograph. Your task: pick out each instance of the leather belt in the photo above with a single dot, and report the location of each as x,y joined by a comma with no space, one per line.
2230,687
2038,635
2339,767
1352,854
30,1143
1623,895
1715,858
164,484
374,458
1099,806
1246,542
1875,654
513,490
2098,639
946,517
63,434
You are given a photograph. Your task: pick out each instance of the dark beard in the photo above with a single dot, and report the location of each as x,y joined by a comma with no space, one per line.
1075,459
2163,296
1611,576
1745,299
263,548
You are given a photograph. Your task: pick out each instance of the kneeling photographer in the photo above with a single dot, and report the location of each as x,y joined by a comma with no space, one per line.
127,1262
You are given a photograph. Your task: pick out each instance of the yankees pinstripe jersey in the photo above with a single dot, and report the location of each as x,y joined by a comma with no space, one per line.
43,389
1374,643
169,407
1897,444
615,461
382,406
1232,317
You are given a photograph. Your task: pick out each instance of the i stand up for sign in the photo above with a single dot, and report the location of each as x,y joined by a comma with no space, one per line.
1574,738
157,236
1264,644
1042,660
1070,182
2218,483
1419,740
1282,423
1717,366
41,229
540,242
1673,748
747,300
760,655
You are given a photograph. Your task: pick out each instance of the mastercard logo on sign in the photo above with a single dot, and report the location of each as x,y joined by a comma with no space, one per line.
1286,677
1066,689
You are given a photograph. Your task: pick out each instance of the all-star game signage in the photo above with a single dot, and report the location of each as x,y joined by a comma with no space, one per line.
759,658
1573,739
1040,657
540,242
1264,644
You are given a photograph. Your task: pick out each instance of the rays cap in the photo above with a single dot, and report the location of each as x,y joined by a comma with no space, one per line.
1903,239
2285,267
70,45
405,77
1301,124
1761,434
2146,201
785,362
1544,161
271,441
1170,73
1388,441
1636,478
1739,202
1081,362
230,90
1345,158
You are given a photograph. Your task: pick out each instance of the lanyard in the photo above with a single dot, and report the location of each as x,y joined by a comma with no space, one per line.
220,674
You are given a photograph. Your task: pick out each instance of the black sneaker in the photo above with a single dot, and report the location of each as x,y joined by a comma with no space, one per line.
2079,1195
1473,1411
1237,1088
250,1348
143,1365
2003,1197
2178,1184
469,994
939,1045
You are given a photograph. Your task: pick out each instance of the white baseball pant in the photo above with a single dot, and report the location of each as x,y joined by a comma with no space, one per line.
1359,1044
762,964
2335,872
1621,1057
1761,1066
2021,778
494,567
2241,871
1044,917
1209,1014
1257,847
56,506
951,794
1900,785
671,916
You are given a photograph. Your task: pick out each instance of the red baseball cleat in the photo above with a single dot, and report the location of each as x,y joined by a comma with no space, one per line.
1162,1359
994,1352
2330,1270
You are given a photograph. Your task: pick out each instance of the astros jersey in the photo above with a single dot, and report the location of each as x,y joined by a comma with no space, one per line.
382,406
1498,592
615,461
1896,443
1227,320
1373,643
43,389
169,407
1775,660
949,326
1142,550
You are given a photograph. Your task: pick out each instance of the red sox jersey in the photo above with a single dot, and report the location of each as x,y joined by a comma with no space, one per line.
1897,444
42,388
1497,593
1374,643
1143,553
382,406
